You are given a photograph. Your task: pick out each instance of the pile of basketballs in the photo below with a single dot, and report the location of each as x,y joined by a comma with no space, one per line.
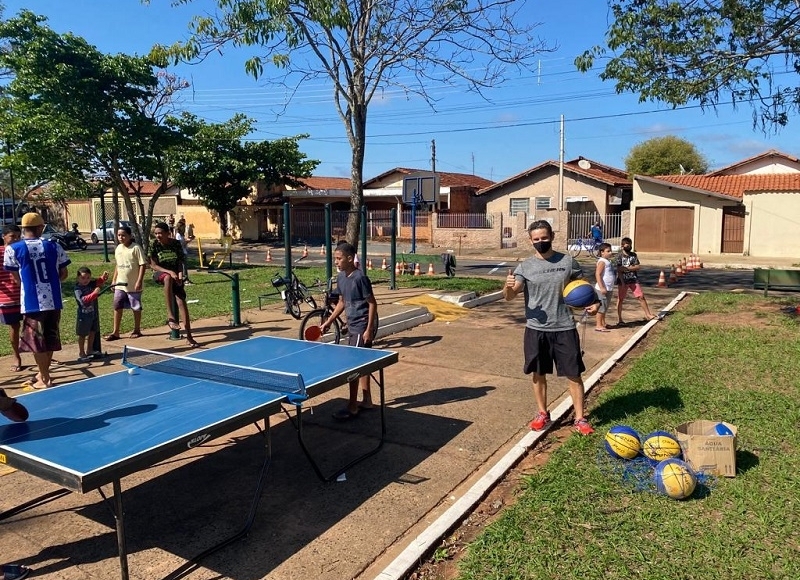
661,452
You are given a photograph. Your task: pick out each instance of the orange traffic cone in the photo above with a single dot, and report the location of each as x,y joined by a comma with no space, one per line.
305,251
673,276
369,263
679,270
662,280
430,270
269,256
684,266
397,268
246,258
322,250
699,262
416,269
383,266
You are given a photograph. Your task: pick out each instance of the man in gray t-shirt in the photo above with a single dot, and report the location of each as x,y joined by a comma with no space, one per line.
550,334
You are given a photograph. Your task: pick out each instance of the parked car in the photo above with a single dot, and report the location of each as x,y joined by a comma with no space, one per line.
110,232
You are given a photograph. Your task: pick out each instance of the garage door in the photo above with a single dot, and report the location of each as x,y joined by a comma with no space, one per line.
664,229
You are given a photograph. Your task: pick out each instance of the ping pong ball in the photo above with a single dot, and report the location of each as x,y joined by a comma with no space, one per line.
131,371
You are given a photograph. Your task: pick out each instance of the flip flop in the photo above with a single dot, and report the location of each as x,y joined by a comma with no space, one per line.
28,384
173,325
363,408
344,415
112,337
17,368
194,344
14,572
135,334
601,330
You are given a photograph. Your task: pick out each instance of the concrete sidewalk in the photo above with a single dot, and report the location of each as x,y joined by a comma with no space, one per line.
456,402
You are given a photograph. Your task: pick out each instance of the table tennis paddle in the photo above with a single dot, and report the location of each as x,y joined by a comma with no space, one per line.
15,411
312,333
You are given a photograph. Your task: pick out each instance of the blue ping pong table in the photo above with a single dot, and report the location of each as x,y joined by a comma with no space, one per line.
96,431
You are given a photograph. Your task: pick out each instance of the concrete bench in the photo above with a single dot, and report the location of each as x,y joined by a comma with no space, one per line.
773,279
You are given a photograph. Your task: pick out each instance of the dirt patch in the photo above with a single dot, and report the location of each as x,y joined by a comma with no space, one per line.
443,563
757,316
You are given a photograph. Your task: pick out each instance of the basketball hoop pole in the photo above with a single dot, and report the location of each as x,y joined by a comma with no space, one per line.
414,201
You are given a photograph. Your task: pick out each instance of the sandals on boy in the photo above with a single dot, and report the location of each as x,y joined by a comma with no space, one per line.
14,572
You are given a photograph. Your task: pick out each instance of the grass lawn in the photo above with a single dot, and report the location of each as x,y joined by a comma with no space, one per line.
721,356
213,292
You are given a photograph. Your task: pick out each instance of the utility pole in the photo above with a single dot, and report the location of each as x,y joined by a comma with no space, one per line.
433,155
561,169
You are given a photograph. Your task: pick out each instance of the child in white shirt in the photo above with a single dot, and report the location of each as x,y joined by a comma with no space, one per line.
605,275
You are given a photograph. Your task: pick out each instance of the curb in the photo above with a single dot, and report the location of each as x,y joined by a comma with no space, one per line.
469,299
400,321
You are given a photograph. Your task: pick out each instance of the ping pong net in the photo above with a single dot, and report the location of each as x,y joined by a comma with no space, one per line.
290,384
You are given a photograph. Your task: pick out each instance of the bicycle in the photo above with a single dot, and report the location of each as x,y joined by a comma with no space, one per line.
318,316
589,245
293,292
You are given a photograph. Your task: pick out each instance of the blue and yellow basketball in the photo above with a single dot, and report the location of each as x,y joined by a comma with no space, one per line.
674,478
622,442
660,445
579,294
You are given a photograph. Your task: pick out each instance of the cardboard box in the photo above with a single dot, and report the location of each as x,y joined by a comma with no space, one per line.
706,451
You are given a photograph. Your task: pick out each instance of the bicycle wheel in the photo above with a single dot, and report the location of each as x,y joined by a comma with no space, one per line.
575,247
293,304
317,317
307,297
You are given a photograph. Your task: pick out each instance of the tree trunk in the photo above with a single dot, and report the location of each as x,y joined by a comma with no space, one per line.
357,174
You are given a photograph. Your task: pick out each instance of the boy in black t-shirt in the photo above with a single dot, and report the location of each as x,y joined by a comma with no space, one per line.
628,266
166,260
358,302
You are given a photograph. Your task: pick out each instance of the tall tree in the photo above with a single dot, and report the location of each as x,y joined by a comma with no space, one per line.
668,155
365,46
711,52
72,114
220,168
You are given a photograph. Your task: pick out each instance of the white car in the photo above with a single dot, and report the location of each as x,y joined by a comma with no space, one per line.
110,232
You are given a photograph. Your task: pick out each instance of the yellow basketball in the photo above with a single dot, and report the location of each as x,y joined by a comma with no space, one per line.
660,445
622,442
675,479
579,294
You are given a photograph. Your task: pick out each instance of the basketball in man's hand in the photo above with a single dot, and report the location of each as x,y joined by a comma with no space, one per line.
579,294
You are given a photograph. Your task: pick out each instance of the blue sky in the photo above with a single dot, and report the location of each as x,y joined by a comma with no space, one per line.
517,130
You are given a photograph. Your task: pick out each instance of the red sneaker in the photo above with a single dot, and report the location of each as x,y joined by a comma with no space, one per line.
541,421
582,426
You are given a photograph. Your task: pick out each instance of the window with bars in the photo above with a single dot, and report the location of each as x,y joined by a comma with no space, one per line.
519,205
542,203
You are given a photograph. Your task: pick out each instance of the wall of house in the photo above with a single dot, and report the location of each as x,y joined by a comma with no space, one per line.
707,231
545,184
771,224
204,224
766,166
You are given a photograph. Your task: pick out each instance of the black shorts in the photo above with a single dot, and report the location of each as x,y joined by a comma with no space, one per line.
357,339
178,289
87,323
562,347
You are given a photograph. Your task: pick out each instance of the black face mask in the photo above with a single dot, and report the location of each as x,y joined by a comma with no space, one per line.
542,247
627,248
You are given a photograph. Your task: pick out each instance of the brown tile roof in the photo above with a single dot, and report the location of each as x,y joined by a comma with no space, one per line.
446,179
597,171
765,155
320,183
736,186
